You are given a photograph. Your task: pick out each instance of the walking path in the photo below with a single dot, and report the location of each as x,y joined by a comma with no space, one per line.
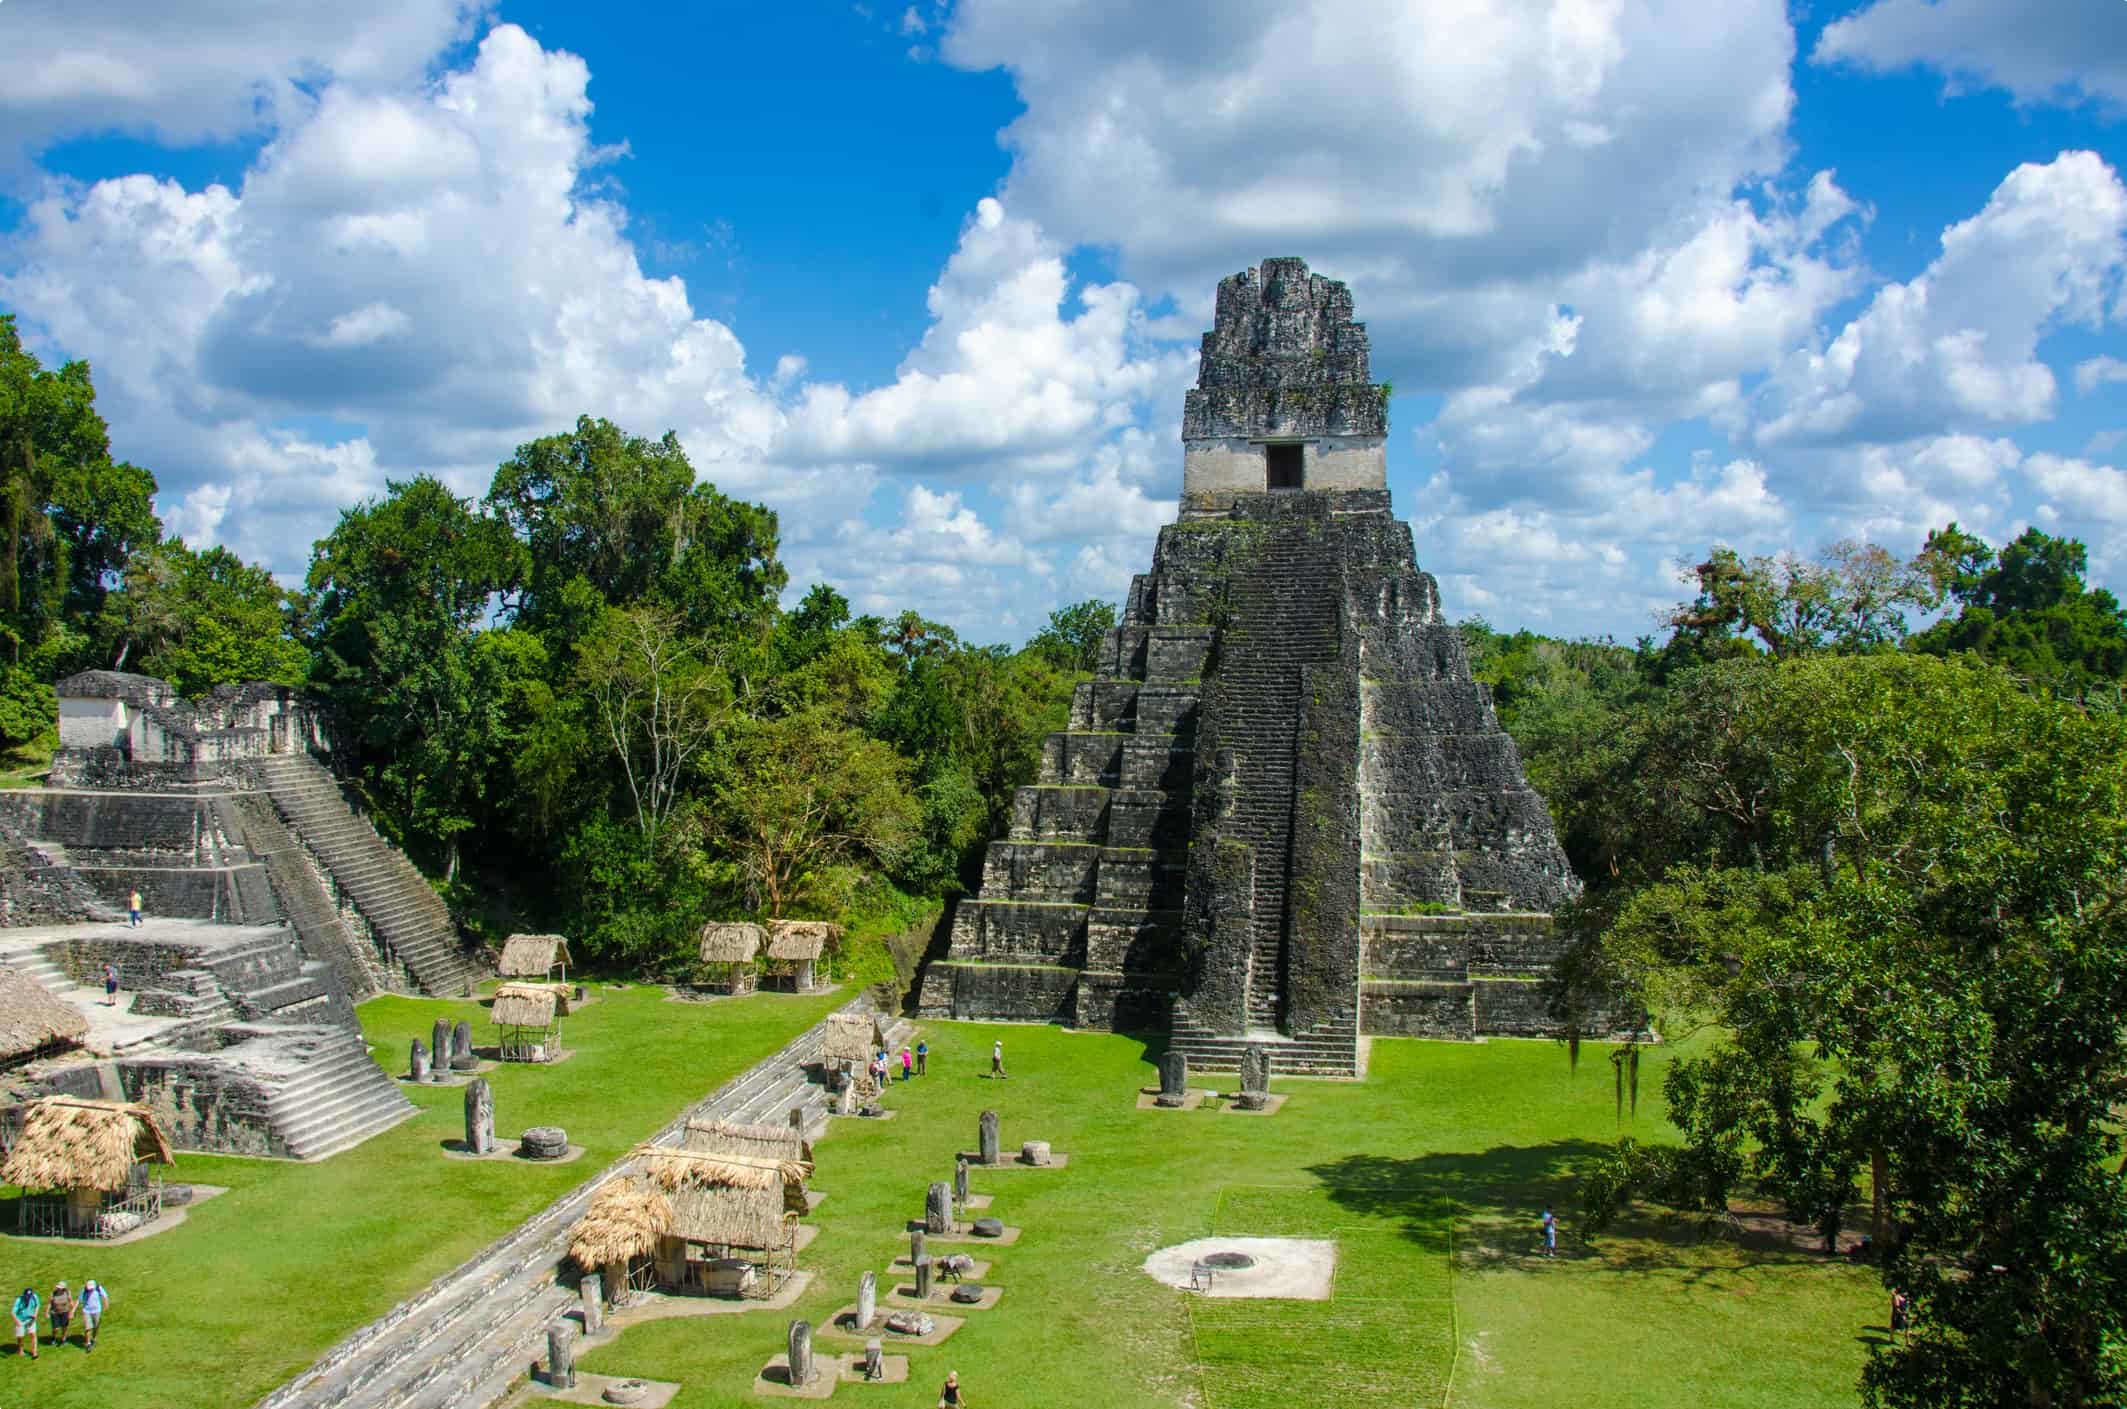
475,1331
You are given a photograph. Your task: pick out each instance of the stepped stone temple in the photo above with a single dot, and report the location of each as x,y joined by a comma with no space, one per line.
271,909
1284,813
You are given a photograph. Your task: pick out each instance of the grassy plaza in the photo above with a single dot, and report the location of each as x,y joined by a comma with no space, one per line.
1430,1175
260,1280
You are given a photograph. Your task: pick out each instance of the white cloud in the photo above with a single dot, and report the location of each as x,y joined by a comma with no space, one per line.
2094,372
1002,374
2056,52
193,73
1957,346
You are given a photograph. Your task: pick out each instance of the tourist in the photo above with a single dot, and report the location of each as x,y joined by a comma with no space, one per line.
110,985
26,1308
950,1397
1901,1313
133,908
923,1052
1550,1232
997,1058
61,1312
908,1064
93,1301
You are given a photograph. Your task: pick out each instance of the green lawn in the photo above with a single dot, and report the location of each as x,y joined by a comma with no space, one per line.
260,1280
1431,1175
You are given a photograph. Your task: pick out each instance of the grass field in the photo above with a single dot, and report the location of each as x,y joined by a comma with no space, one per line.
1431,1176
260,1280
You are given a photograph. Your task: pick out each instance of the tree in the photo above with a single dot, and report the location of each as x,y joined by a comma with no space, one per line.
2027,609
625,514
806,797
201,619
1072,639
1910,931
398,591
659,700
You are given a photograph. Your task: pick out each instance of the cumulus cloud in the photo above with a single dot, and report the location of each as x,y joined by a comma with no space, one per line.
196,73
1002,373
1958,346
2062,53
2094,372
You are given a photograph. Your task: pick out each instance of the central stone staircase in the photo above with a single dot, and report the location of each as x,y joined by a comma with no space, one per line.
408,919
473,1333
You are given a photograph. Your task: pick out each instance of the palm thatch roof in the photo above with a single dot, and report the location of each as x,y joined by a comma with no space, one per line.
67,1142
725,1137
730,942
31,1018
729,1200
799,939
524,1005
852,1037
624,1222
532,955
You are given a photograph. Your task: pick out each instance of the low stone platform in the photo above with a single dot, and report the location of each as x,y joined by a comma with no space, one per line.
964,1233
942,1296
977,1272
506,1151
774,1379
894,1370
941,1330
169,1218
590,1389
1057,1160
1149,1100
664,1306
1271,1106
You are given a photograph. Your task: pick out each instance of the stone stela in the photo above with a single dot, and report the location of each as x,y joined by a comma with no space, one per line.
1284,813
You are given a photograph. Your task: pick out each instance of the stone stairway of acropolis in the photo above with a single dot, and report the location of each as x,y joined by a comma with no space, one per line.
472,1334
402,910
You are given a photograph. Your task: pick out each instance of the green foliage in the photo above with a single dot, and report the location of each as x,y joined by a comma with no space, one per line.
1072,639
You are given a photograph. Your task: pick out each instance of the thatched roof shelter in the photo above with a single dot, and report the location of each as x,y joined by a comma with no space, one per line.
532,955
525,1005
67,1142
730,942
624,1222
32,1019
799,939
852,1037
725,1137
726,1200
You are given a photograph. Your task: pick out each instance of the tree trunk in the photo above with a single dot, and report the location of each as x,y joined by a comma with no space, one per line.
1879,1199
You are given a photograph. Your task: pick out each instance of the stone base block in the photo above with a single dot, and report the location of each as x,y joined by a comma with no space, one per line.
774,1379
895,1368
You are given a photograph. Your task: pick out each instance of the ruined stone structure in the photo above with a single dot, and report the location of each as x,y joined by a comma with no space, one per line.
1284,813
272,906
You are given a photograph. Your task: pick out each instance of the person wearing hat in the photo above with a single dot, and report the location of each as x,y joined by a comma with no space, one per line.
61,1311
93,1301
950,1397
26,1308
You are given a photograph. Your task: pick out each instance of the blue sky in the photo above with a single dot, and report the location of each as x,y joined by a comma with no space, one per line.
1647,274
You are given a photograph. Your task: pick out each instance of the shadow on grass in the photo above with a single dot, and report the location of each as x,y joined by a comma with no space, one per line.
1500,1195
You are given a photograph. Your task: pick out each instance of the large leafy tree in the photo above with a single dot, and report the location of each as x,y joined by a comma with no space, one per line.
397,592
2027,608
625,514
201,619
1905,914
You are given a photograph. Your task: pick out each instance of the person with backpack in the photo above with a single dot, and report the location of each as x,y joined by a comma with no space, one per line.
923,1056
110,985
26,1308
133,909
94,1301
61,1311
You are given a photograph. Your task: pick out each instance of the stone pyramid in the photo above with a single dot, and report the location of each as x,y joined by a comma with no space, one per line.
1283,812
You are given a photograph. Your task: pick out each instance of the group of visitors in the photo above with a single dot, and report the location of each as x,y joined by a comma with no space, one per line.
60,1313
914,1061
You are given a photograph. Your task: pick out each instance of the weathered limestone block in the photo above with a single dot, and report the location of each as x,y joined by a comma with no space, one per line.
915,1324
479,1116
988,1228
561,1356
987,1134
462,1058
874,1360
924,1269
1174,1079
938,1209
417,1063
439,1046
915,1246
802,1368
594,1310
543,1142
1255,1078
867,1300
960,1191
1035,1152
